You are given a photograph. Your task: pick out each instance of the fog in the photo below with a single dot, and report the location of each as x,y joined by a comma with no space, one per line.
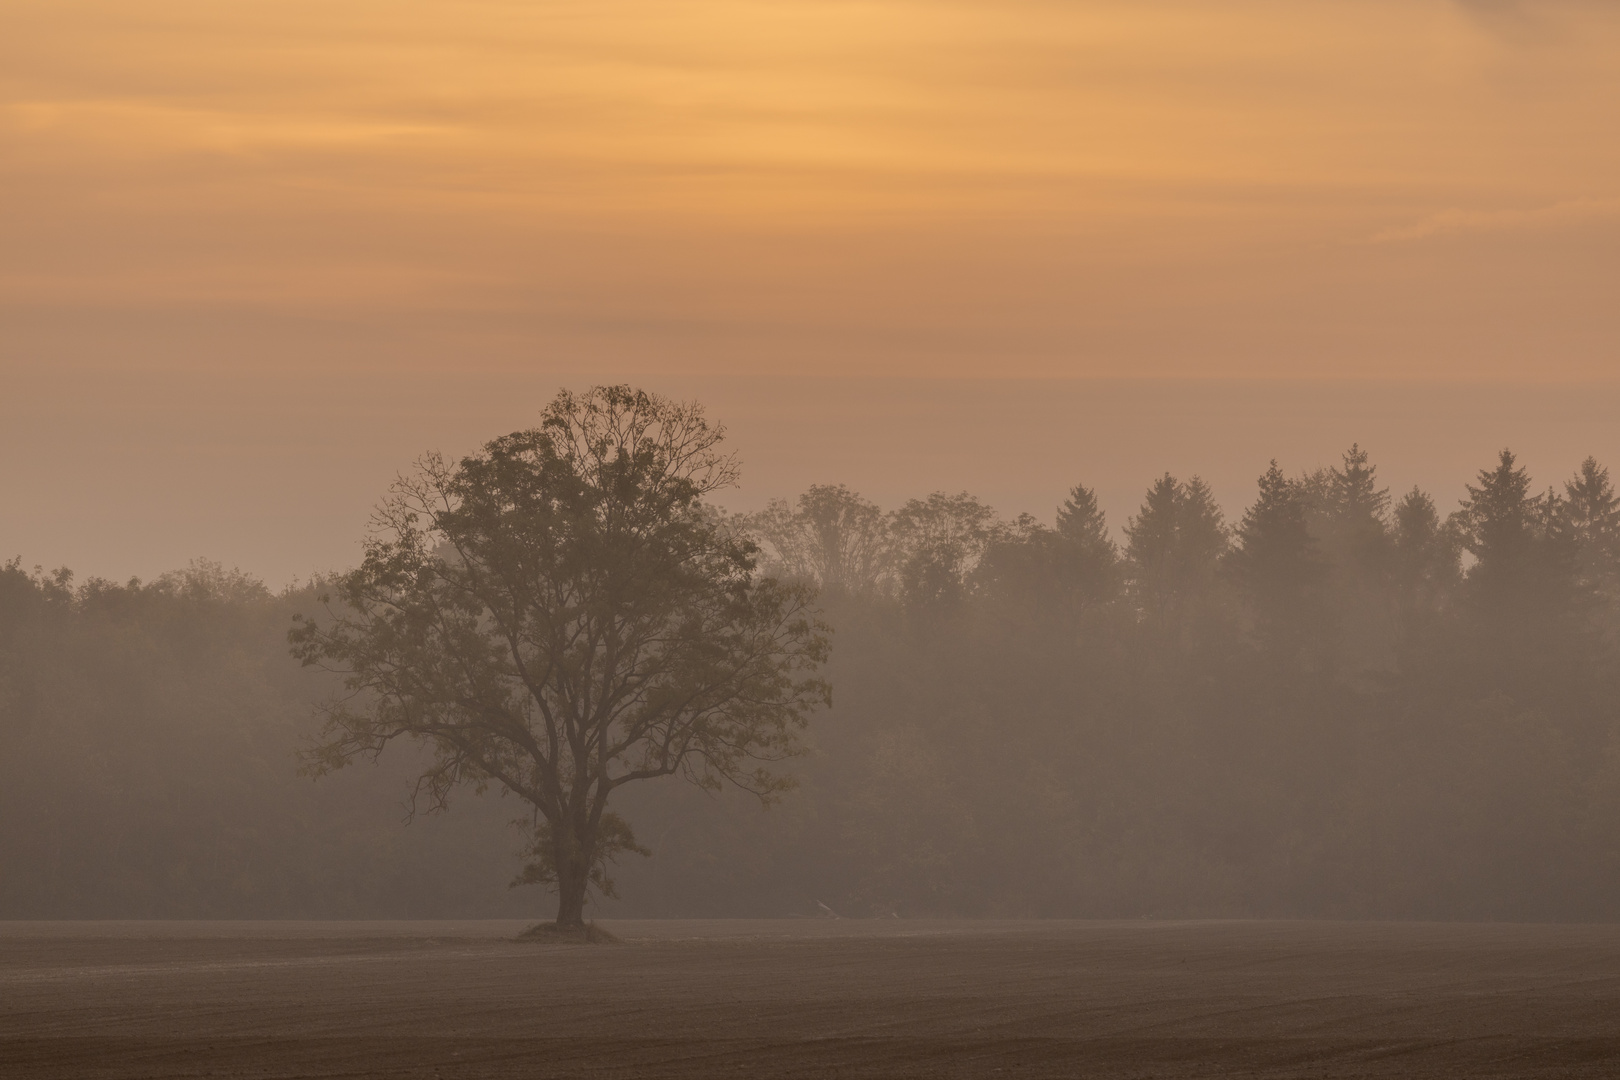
1324,695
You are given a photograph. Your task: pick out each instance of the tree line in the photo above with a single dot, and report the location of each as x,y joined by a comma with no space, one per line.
1337,702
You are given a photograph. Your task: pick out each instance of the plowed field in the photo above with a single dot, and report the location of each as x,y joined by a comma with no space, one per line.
810,999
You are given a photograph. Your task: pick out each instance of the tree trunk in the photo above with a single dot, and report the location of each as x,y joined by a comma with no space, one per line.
570,902
573,878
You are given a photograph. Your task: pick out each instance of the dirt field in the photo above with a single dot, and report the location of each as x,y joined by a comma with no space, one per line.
823,999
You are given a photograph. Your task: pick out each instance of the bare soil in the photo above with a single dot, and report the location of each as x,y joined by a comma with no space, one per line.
810,999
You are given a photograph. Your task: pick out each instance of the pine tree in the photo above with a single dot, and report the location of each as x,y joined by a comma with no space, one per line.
1347,512
1425,551
1083,555
1082,524
1151,547
1592,515
1174,544
1202,533
1278,565
1526,616
1505,528
1360,509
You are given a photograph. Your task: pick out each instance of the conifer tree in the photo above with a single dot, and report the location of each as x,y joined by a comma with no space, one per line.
1277,563
1525,618
1082,524
1425,553
1347,512
1592,514
1360,509
1083,555
1174,545
1508,531
1204,537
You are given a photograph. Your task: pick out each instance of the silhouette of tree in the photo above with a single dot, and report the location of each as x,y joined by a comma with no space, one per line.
1425,557
832,537
1173,547
1523,557
1083,527
1351,513
1278,565
939,543
1062,571
561,614
1348,515
1084,557
1592,514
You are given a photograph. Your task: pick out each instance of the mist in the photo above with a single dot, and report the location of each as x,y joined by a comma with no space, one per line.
1328,700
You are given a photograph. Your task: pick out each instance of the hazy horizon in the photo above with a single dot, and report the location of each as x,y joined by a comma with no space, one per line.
137,473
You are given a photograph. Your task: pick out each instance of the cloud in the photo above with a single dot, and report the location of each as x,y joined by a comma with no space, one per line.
1454,220
1527,22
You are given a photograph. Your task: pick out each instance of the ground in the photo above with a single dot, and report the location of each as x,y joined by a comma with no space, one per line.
809,998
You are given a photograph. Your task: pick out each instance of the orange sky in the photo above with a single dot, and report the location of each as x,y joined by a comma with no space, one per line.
281,193
1038,187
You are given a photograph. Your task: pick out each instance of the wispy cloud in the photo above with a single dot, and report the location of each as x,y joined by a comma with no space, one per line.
1106,186
1454,220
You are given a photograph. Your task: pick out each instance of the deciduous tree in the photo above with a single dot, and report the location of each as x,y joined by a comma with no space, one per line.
561,614
831,536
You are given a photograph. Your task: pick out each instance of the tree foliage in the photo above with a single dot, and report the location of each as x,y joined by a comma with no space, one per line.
561,614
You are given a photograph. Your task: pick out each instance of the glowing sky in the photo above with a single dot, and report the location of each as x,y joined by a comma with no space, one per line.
213,205
1056,188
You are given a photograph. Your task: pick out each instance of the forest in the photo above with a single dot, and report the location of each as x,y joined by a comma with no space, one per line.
1336,703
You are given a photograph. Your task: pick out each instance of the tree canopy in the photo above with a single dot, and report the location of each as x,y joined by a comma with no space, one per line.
562,614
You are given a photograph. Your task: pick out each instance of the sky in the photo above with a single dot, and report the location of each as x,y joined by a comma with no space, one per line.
255,257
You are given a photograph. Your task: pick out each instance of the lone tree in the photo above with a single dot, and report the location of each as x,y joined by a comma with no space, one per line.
561,614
